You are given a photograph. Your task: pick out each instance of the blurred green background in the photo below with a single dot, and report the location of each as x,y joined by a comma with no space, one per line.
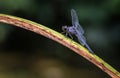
24,54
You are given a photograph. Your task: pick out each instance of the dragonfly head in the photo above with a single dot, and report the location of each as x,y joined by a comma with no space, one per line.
64,28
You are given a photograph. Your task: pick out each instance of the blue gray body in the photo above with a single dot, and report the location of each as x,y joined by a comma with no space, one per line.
76,30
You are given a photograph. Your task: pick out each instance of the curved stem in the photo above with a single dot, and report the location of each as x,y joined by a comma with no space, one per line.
49,33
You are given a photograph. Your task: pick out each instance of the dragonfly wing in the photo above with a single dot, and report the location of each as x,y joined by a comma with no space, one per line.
81,39
75,21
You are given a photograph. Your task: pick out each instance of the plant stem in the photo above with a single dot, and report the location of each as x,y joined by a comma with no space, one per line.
49,33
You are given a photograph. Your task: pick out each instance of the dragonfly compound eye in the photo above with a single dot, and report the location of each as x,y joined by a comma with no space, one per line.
64,28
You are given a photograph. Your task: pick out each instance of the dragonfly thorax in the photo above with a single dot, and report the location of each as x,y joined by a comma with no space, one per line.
69,29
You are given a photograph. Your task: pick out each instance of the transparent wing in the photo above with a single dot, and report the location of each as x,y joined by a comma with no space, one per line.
82,41
75,21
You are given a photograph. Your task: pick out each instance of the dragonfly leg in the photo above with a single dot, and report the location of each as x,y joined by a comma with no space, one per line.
63,32
66,34
70,35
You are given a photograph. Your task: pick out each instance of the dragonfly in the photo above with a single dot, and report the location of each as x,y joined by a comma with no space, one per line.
77,30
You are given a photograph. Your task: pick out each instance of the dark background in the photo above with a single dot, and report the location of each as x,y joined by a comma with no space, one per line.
24,54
